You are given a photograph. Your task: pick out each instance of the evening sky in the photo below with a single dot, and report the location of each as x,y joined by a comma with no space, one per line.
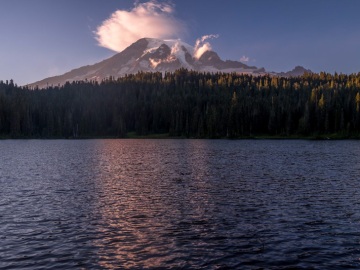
42,38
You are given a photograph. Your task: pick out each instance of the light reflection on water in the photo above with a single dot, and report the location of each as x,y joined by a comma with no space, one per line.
209,204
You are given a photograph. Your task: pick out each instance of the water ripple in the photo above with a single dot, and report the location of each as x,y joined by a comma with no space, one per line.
187,204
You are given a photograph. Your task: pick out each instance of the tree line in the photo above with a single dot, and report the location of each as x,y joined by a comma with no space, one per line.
185,103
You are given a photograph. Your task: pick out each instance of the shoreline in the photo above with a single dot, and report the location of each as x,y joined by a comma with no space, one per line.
166,136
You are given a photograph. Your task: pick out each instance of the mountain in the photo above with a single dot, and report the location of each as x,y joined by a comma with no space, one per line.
148,54
297,71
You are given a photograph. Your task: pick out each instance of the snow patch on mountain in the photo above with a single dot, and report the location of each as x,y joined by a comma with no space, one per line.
154,43
154,62
178,51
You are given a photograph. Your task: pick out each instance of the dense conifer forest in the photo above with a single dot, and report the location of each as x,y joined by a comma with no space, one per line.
187,104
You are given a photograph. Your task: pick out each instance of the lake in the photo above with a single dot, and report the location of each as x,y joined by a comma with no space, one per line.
181,204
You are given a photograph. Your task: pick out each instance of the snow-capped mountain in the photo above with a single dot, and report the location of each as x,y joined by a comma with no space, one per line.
148,54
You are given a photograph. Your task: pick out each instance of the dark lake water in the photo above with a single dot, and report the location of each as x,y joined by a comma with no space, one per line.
180,204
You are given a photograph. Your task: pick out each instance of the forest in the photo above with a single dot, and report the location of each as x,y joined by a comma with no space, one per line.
186,104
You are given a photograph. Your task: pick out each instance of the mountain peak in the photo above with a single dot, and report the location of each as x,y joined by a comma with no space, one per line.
209,57
295,72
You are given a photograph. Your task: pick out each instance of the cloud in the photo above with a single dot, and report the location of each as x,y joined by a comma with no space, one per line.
244,59
151,19
201,46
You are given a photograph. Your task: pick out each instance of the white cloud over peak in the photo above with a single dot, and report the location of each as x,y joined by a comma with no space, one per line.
201,46
151,19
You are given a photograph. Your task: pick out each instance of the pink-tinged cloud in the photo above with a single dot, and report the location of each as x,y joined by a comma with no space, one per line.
201,46
151,19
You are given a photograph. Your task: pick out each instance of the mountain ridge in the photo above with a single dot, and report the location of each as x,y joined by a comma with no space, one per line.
155,55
